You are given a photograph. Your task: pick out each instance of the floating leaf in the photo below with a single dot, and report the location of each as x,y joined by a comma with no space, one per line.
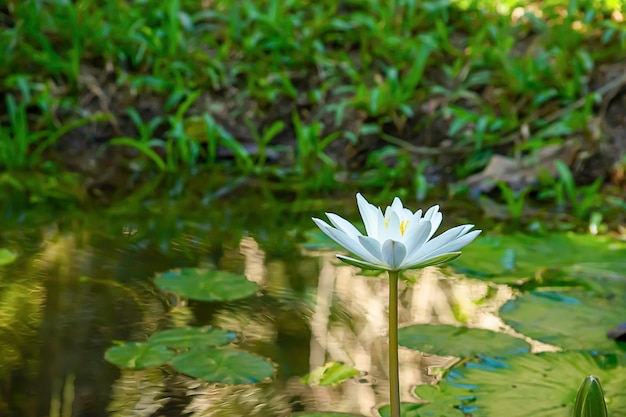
223,365
326,414
543,385
442,408
576,319
206,284
406,409
187,337
7,257
439,399
516,258
332,373
459,341
135,355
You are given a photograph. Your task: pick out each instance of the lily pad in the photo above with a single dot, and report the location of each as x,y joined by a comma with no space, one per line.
223,365
187,337
327,414
332,373
543,385
7,257
460,341
134,355
442,407
516,258
206,284
576,319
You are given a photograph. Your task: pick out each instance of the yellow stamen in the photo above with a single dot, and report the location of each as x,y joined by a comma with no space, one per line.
403,225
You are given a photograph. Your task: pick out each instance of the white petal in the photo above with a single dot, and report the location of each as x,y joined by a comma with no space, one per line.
382,234
372,246
369,214
436,243
435,222
344,240
457,243
320,223
393,228
447,236
449,247
415,236
406,214
394,254
433,261
431,211
361,264
417,216
342,224
396,205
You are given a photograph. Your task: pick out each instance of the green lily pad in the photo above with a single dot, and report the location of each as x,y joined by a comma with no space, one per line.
327,414
206,284
7,257
442,408
516,258
406,409
223,365
187,337
543,385
460,341
332,373
134,355
575,319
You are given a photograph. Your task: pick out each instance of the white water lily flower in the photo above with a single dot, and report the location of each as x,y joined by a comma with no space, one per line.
398,239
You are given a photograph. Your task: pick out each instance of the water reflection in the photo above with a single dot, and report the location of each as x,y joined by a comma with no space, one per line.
81,284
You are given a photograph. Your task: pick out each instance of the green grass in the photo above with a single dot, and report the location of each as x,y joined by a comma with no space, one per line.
283,87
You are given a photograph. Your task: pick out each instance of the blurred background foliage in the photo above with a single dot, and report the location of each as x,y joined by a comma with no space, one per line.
511,102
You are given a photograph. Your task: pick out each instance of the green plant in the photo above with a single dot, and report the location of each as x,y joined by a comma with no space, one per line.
310,145
581,199
21,148
262,141
515,200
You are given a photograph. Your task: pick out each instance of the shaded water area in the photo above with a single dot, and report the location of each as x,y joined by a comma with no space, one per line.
84,280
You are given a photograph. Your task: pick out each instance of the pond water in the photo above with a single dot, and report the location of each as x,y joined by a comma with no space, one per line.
83,281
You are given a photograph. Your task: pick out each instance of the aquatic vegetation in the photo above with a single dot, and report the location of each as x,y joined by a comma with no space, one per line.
590,399
192,350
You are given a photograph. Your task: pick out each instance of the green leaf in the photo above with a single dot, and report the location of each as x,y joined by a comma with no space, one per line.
326,414
574,319
464,342
443,408
543,385
206,284
223,365
590,399
406,409
7,257
332,373
523,256
187,337
134,355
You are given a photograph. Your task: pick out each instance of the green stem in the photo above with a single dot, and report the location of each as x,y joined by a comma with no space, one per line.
394,379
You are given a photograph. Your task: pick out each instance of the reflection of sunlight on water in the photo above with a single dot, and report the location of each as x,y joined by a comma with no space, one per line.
361,340
335,315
